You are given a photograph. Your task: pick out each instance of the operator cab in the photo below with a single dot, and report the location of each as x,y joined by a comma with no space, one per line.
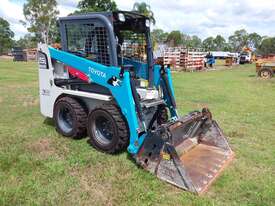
117,38
132,33
108,38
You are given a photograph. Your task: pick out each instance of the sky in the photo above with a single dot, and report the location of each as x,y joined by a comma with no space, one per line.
193,17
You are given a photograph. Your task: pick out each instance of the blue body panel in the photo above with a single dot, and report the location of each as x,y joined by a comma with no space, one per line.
100,74
142,70
166,95
211,60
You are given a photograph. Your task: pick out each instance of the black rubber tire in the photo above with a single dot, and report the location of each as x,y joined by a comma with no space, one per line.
265,73
78,117
120,138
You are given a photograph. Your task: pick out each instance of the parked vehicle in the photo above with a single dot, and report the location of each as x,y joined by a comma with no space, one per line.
19,54
265,68
104,82
245,57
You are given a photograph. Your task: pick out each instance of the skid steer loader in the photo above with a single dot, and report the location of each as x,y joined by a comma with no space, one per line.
103,81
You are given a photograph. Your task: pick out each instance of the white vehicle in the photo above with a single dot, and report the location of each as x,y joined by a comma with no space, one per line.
245,57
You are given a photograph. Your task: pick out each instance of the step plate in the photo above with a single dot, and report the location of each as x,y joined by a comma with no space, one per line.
204,163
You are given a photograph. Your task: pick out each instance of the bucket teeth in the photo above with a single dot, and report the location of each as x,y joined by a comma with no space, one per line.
192,158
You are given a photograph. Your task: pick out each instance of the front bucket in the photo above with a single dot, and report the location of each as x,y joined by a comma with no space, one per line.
189,153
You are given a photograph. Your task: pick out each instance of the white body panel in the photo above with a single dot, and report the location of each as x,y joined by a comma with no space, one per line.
48,92
46,86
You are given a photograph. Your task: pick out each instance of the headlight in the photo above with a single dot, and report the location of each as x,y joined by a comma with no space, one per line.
147,23
121,17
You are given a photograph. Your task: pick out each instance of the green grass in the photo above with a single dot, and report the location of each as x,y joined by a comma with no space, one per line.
40,167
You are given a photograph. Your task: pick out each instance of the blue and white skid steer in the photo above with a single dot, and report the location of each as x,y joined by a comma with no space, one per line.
103,82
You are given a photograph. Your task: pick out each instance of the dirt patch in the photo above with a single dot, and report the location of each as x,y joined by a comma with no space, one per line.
43,148
240,133
20,87
6,57
96,190
193,105
30,101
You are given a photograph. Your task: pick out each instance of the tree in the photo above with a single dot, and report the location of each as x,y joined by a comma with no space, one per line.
227,47
96,6
144,9
41,18
28,41
174,38
159,35
254,40
195,42
6,36
238,40
185,40
208,44
54,34
267,46
219,43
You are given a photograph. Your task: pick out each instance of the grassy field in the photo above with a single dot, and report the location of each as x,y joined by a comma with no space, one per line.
40,167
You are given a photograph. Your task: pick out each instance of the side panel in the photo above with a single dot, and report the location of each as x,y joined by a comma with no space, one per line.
45,81
48,92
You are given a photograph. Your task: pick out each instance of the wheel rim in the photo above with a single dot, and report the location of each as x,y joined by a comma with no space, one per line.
65,119
103,130
265,74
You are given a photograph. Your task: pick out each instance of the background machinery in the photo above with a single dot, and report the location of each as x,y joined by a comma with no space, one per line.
104,82
246,56
265,67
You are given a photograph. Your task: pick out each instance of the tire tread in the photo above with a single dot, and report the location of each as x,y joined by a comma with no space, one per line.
122,128
81,116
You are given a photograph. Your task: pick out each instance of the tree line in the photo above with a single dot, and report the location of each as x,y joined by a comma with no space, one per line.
41,16
235,42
